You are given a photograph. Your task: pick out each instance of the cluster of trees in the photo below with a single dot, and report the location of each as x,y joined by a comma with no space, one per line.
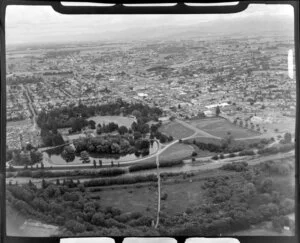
236,166
231,155
161,137
120,181
248,125
278,149
219,148
272,168
27,156
109,172
65,117
234,203
112,144
77,124
65,204
148,166
68,153
111,127
287,138
51,137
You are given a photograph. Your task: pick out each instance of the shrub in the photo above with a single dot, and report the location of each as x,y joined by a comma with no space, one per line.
142,221
188,211
266,185
287,205
109,172
24,173
215,157
75,226
236,166
148,166
231,155
268,210
164,196
222,156
277,224
59,220
246,152
120,181
98,219
194,153
123,218
71,196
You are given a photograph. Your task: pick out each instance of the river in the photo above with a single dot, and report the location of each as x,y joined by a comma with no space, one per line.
18,225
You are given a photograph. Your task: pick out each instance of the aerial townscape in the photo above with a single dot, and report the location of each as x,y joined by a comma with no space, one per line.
191,136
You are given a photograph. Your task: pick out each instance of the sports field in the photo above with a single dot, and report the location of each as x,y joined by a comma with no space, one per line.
176,130
220,127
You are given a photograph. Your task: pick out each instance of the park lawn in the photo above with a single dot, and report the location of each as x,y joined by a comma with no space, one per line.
177,151
176,130
220,127
120,120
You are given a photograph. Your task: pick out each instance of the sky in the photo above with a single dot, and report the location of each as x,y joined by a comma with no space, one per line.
41,24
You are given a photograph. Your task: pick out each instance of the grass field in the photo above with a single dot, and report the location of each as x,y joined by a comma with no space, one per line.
220,127
286,124
143,198
202,153
176,130
176,152
130,199
120,120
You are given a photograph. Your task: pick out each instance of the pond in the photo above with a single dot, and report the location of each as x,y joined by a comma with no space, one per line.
53,156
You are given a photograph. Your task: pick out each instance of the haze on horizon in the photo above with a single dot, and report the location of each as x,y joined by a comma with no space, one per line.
42,25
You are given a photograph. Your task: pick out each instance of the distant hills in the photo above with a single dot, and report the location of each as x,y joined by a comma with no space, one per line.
245,26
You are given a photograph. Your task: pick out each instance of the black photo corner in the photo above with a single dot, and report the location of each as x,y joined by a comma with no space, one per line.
149,121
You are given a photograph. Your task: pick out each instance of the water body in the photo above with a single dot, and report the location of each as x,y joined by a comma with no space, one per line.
18,225
54,156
